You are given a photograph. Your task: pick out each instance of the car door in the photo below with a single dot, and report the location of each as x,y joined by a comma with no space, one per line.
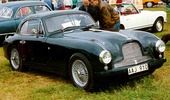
32,44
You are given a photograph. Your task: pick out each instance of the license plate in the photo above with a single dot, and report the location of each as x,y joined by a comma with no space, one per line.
138,68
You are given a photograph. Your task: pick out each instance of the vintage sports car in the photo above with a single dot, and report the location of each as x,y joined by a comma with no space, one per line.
69,43
133,18
12,13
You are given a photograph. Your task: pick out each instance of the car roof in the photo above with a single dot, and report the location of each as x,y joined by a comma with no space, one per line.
16,4
54,13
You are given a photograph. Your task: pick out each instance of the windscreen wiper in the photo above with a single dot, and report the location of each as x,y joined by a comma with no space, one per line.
87,27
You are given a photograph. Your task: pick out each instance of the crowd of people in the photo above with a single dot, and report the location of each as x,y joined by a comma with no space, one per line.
61,4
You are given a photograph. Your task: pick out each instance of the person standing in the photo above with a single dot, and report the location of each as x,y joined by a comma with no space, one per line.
74,3
55,4
89,9
60,5
109,18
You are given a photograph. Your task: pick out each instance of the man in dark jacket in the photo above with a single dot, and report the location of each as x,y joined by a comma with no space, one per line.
89,9
109,19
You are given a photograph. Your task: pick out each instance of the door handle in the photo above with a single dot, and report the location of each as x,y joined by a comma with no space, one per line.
22,42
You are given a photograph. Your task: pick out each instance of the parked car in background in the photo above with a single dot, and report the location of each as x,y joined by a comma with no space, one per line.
133,18
12,13
69,43
151,3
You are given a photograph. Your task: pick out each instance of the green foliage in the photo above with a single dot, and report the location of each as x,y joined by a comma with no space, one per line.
34,85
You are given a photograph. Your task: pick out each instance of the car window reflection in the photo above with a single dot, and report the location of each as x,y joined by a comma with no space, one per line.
126,9
24,27
5,12
40,9
24,11
28,26
64,21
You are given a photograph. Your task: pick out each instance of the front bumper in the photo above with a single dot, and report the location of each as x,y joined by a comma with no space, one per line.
123,71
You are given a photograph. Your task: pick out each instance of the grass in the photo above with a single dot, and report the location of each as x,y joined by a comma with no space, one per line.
35,85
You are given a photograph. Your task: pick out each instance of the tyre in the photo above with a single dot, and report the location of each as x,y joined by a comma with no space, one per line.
149,4
80,72
15,60
158,25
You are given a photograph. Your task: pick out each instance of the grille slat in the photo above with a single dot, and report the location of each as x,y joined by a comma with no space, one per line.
132,55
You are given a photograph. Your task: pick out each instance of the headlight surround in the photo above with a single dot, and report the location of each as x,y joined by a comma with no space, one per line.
105,57
160,46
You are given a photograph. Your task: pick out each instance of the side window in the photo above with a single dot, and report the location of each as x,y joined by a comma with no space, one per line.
24,11
24,27
28,27
40,9
128,9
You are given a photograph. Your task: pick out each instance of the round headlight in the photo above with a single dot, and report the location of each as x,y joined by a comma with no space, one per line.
160,46
105,57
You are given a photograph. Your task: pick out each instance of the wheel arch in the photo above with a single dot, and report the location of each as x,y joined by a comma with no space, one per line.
86,54
90,83
122,26
160,17
9,48
90,49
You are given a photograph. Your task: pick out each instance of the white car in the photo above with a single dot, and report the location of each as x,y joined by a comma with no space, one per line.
132,18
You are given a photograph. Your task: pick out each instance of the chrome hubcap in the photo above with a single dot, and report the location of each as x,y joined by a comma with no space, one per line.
80,73
15,58
159,26
149,4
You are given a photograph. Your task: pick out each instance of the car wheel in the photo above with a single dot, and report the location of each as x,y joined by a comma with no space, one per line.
15,60
158,25
149,4
80,72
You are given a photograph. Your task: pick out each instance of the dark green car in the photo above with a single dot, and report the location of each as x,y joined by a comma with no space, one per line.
12,13
69,43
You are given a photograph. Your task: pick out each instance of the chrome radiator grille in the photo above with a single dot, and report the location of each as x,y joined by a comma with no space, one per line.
132,55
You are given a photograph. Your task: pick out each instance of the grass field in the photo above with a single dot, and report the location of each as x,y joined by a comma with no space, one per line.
35,85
